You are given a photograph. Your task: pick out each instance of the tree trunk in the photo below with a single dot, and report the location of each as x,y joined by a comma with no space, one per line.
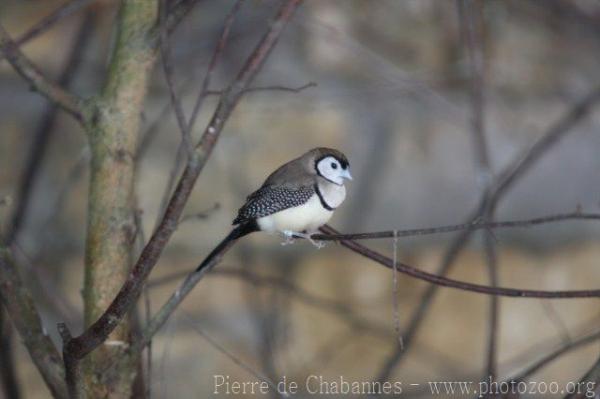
113,133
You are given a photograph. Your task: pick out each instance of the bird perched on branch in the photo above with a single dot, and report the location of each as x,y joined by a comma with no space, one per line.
295,200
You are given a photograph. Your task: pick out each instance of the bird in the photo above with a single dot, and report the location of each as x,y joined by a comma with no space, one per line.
295,200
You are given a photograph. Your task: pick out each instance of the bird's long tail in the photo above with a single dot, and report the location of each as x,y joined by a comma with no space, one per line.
237,233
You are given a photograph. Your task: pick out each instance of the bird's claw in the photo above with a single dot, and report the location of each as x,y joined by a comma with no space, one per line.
289,235
289,238
318,244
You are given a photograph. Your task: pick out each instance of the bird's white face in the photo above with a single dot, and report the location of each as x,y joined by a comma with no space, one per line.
334,171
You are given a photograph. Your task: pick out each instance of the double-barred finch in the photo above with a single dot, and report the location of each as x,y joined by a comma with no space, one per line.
295,200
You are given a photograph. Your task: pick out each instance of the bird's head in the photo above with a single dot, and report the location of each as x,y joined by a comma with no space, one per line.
330,164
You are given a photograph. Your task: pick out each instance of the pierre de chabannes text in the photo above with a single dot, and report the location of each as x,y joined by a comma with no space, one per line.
320,385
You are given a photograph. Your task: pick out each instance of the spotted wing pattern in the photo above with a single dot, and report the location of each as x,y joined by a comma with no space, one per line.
269,199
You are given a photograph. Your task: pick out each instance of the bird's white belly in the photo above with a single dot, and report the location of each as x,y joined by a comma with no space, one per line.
307,217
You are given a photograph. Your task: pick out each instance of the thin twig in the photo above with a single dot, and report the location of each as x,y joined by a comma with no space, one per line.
202,215
154,128
233,358
510,175
471,20
554,317
216,56
141,239
395,301
337,308
418,315
557,131
194,277
51,19
456,284
185,147
544,361
491,260
49,290
475,225
591,382
45,128
169,76
39,82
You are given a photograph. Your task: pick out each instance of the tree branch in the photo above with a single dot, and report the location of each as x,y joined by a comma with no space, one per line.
8,372
544,361
470,15
194,277
472,226
39,82
221,43
44,130
19,304
51,19
169,78
337,308
113,130
591,382
39,146
558,130
461,285
508,177
79,347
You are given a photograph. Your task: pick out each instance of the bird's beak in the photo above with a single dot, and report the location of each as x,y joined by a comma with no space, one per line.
347,174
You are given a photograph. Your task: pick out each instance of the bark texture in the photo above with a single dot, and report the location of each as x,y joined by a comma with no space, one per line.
113,132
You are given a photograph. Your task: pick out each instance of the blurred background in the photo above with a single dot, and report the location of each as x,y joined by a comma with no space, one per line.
392,91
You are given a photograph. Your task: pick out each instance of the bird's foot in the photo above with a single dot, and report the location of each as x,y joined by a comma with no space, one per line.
318,244
289,237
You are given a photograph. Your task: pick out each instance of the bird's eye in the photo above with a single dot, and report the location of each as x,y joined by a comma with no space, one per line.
334,165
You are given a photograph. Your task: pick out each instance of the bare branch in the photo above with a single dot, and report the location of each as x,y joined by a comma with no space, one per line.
461,285
202,215
8,374
234,358
19,304
558,130
35,157
217,53
418,315
471,20
337,308
161,317
509,176
153,128
591,382
186,128
168,71
51,19
45,128
472,226
178,12
544,361
281,88
80,346
194,277
27,70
